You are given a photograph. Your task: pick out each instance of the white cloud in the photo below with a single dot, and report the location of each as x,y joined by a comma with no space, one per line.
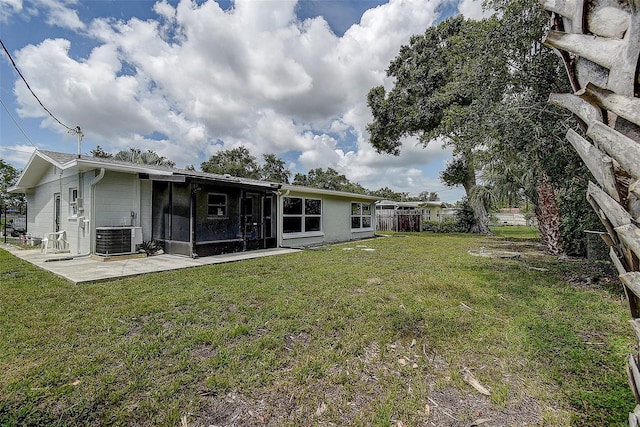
17,154
9,8
62,15
59,13
164,9
198,77
472,9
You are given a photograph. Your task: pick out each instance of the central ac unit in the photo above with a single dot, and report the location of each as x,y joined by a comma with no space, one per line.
117,240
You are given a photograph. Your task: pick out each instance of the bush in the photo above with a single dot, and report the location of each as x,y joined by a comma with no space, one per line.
446,226
152,247
465,218
576,216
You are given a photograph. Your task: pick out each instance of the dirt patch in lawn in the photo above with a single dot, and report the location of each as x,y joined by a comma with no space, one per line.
450,407
524,247
363,385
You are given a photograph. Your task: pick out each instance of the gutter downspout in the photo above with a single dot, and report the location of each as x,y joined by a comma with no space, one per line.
57,225
79,209
92,224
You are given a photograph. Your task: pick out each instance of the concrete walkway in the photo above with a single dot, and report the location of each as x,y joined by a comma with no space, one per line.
85,269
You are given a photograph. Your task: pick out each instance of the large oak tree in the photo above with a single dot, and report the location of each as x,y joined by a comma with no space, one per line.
482,87
447,81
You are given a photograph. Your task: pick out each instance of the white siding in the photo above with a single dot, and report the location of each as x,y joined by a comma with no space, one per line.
117,195
40,208
336,221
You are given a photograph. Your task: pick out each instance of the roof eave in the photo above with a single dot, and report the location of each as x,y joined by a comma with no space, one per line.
132,168
17,189
313,190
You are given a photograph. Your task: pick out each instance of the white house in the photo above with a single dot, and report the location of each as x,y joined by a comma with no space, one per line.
106,207
312,216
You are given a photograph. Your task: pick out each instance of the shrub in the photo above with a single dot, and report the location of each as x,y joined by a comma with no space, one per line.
151,247
465,218
445,226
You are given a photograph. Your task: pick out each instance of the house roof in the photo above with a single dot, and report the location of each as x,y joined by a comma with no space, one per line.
414,204
205,176
322,191
37,166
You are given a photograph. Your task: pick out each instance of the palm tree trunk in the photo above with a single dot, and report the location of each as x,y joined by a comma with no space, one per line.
548,215
481,223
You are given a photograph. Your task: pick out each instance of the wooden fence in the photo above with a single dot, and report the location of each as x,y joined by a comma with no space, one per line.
401,220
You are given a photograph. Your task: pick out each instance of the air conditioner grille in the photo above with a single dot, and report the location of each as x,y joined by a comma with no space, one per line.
111,241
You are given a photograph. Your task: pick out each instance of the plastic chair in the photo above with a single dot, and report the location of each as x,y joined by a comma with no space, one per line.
57,241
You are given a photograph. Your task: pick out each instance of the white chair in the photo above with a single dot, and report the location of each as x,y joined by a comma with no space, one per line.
56,241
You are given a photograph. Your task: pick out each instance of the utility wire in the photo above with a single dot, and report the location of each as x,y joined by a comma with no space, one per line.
17,151
17,125
71,130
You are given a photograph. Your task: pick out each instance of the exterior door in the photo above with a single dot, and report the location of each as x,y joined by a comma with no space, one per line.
252,216
253,221
56,212
267,203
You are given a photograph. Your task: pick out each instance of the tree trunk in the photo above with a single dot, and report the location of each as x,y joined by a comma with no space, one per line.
480,214
548,215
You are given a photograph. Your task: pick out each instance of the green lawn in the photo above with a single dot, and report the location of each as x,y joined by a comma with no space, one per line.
334,336
515,232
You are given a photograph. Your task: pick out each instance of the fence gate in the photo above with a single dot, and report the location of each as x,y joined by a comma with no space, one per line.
403,221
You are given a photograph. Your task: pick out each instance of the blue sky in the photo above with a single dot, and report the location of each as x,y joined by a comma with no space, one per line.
187,79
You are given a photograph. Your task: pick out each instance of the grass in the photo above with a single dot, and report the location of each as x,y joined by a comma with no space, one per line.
515,232
349,337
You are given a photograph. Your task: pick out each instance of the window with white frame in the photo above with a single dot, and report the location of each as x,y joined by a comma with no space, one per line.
301,215
360,215
216,205
73,203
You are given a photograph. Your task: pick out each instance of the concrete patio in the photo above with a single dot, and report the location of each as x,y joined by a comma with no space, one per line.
86,269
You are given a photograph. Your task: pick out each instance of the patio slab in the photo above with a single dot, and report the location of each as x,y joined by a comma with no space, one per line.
85,269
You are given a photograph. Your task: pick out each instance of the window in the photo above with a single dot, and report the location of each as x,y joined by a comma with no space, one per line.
73,203
360,215
301,215
216,205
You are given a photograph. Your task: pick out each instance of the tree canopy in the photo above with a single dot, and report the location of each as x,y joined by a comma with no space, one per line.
447,82
329,179
241,163
274,169
428,196
8,177
238,162
482,88
134,155
387,193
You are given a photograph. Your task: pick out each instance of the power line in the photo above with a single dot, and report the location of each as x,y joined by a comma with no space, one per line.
17,125
16,150
71,130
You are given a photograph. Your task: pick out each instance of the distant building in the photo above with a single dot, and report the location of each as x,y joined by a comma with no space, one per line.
409,216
